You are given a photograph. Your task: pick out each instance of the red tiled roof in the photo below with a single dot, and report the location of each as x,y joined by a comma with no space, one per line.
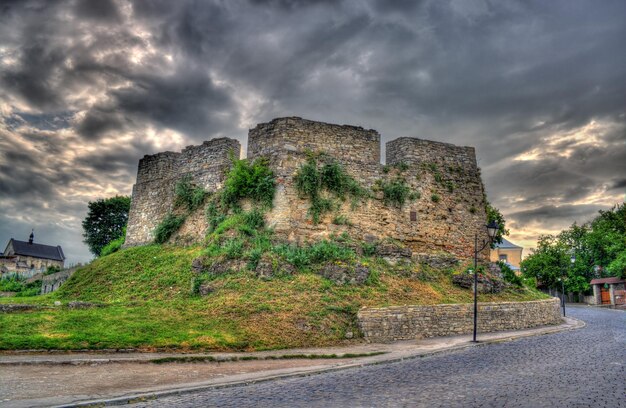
607,280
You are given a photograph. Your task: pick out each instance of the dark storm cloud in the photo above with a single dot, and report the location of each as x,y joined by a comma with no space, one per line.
88,87
555,217
101,10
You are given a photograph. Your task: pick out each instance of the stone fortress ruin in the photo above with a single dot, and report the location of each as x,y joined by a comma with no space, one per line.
444,212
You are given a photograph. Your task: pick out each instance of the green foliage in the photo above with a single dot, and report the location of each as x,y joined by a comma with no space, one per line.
599,247
401,166
438,177
493,214
170,224
509,275
18,284
320,252
249,180
450,186
214,216
233,248
188,195
52,269
617,267
432,167
341,220
415,195
369,249
473,209
311,180
435,198
114,245
395,192
105,221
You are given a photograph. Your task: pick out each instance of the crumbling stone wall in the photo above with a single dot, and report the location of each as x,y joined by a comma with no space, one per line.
445,219
52,282
410,322
432,169
157,175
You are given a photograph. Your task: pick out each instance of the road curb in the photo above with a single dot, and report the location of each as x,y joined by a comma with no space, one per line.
570,325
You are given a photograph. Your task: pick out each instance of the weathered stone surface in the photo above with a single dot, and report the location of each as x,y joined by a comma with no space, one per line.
437,261
83,305
153,193
410,322
52,282
423,225
393,253
197,265
342,274
486,283
205,289
10,308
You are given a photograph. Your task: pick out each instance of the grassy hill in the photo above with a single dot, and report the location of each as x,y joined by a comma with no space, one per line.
148,302
243,289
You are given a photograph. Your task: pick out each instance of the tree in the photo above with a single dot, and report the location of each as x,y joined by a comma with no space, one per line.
599,243
106,220
493,214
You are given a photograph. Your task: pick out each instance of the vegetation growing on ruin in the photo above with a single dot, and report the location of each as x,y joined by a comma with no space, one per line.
248,180
323,182
166,228
395,192
188,195
114,245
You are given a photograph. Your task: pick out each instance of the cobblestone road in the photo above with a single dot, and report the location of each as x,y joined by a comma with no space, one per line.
581,368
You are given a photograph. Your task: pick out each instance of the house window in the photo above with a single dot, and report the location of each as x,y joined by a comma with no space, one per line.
503,258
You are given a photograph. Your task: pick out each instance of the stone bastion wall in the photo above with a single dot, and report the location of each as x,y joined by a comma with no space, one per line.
413,322
153,194
444,219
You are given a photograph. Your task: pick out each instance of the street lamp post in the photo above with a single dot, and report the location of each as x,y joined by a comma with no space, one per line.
492,229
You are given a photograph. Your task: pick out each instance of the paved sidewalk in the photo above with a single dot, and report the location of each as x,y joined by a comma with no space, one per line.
71,379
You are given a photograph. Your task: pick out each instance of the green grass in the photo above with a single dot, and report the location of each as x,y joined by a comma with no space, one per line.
149,303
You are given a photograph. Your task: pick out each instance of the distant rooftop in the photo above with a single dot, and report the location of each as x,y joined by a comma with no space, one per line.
38,250
507,244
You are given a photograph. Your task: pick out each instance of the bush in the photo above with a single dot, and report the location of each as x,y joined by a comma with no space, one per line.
113,246
509,275
395,192
310,181
252,180
369,249
170,224
189,195
17,284
341,220
435,198
54,269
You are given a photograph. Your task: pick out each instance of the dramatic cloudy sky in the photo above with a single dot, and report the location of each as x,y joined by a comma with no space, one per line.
88,87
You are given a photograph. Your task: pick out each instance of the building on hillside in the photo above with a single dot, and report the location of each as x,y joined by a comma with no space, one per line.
27,258
608,291
507,252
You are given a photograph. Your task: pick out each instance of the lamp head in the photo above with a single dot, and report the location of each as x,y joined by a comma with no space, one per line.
492,230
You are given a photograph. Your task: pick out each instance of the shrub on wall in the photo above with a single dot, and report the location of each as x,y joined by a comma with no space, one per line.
252,180
312,180
170,224
395,192
188,195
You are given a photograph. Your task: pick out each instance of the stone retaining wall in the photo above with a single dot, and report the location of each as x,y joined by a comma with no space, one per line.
411,322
